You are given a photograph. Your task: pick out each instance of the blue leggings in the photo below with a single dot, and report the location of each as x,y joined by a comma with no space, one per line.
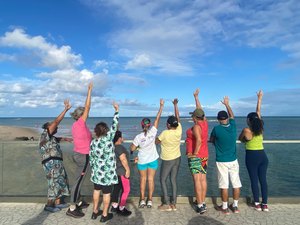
257,164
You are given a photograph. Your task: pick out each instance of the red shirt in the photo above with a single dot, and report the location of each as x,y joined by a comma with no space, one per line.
190,141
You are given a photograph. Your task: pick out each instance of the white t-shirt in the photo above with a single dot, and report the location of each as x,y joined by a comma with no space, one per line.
147,149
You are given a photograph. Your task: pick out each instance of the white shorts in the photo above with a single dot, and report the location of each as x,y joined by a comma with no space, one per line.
228,170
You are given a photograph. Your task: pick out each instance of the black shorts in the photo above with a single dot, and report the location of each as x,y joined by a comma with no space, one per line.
105,189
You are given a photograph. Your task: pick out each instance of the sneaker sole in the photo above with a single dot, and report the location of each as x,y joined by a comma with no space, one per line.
202,212
74,216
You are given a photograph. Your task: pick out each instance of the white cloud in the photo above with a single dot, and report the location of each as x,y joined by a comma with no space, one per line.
49,55
100,63
46,89
121,78
141,60
51,88
169,32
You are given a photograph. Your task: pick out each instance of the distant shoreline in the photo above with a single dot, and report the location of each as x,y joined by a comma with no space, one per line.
14,133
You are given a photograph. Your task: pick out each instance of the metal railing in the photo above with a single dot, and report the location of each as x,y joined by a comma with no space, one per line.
22,173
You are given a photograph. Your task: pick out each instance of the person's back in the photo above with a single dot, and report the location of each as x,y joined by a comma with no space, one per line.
147,148
225,141
203,152
223,136
170,143
82,136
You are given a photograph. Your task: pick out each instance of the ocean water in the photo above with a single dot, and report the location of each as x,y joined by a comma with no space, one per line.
276,128
283,176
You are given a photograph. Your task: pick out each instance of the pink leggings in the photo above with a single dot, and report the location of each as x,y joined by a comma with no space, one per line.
124,184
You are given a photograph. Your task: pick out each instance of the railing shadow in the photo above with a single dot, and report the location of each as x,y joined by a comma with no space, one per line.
39,219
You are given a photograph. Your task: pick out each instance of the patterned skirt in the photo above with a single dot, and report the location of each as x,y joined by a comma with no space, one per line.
58,184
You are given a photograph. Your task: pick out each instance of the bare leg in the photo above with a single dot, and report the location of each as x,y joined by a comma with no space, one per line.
224,195
203,183
236,193
197,187
106,200
57,201
143,179
96,198
150,174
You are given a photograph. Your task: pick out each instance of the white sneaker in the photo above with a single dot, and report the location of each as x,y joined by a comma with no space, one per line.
149,204
142,204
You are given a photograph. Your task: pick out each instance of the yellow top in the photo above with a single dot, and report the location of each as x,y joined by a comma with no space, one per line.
170,143
256,143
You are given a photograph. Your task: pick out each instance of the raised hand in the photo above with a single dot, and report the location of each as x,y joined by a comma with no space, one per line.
116,106
225,100
162,102
67,104
259,94
90,87
175,101
196,92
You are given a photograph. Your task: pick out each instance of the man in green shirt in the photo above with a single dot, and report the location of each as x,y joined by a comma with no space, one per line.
223,136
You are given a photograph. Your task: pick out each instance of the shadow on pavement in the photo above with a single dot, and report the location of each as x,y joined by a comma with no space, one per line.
203,220
39,219
135,218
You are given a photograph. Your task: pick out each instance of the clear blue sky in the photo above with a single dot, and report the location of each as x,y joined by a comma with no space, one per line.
137,52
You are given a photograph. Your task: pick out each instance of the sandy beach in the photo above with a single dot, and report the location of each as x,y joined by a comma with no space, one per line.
10,133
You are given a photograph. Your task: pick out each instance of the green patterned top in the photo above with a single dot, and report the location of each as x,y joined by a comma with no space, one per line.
102,157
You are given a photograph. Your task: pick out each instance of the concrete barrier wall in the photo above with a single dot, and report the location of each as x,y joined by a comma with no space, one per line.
22,173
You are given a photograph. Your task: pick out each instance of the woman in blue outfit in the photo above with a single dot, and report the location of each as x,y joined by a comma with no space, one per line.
256,158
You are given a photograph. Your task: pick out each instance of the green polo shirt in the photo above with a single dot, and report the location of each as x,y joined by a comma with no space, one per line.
225,141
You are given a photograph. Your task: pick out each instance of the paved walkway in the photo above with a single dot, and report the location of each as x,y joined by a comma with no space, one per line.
33,214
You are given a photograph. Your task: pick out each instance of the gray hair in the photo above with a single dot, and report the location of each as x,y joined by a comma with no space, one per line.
77,113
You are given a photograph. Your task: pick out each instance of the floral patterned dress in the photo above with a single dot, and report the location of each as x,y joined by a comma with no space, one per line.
102,157
51,156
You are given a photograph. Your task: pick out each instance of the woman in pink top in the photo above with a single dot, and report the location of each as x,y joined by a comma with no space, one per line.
82,138
197,153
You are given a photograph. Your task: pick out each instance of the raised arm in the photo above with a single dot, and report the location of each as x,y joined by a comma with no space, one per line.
258,106
115,122
161,106
87,102
228,108
176,111
52,127
196,93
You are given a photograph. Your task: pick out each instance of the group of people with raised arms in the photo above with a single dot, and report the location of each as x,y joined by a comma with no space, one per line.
108,160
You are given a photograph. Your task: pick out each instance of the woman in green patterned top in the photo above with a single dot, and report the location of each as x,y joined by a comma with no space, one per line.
103,165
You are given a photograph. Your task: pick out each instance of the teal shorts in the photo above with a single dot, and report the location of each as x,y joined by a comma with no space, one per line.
151,165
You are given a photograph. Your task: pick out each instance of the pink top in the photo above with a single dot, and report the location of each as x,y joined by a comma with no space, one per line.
191,140
82,136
